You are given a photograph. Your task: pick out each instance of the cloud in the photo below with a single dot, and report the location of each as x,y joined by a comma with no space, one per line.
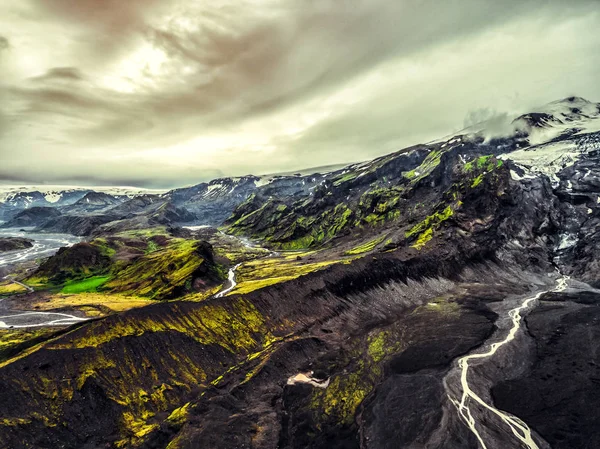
60,73
162,92
4,43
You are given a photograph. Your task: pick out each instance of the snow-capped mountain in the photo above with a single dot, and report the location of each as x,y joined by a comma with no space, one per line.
545,141
29,196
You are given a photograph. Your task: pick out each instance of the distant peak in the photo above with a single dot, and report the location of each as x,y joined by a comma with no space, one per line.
572,102
576,100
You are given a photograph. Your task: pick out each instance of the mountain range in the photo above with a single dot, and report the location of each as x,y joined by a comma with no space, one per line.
442,296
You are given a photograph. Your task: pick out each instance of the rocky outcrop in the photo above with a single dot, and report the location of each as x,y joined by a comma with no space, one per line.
14,243
77,261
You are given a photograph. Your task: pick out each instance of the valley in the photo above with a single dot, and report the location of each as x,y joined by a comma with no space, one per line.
442,296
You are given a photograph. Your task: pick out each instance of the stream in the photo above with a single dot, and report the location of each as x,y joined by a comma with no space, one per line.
231,280
521,432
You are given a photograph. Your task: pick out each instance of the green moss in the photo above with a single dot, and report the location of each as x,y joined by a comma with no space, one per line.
85,285
344,394
145,233
347,390
481,167
263,273
481,163
425,228
298,229
314,231
424,237
162,273
410,174
427,166
10,288
152,247
344,178
365,247
236,327
14,422
478,180
105,248
377,346
179,415
432,220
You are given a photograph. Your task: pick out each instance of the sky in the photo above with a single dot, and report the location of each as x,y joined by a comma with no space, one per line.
165,93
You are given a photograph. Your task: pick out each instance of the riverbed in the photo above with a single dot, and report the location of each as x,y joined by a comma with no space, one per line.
45,245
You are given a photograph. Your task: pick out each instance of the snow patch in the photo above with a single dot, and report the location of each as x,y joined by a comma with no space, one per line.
546,159
263,182
566,241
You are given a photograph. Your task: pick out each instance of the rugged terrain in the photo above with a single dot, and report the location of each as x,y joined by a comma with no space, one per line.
443,296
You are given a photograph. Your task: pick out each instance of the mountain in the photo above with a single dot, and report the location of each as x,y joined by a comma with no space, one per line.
14,199
96,201
382,193
74,224
214,202
34,216
442,296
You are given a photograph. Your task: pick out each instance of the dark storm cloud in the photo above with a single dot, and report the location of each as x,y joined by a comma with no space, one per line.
197,88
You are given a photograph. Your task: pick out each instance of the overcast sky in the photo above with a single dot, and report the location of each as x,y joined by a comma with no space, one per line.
161,93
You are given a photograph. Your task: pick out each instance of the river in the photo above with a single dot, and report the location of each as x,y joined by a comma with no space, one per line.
44,245
473,416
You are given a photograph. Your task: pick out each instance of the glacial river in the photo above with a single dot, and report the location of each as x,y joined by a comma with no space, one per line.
471,404
44,245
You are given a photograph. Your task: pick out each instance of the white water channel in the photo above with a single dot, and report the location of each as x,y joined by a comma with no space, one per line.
44,245
520,430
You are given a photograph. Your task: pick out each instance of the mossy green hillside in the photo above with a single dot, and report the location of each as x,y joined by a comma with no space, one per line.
146,263
295,228
263,273
425,228
364,367
427,166
79,261
167,272
365,247
85,285
146,378
479,168
366,196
